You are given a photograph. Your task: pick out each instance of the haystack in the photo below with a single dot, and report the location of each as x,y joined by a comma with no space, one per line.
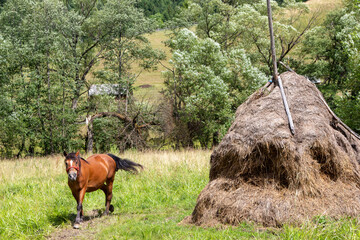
261,173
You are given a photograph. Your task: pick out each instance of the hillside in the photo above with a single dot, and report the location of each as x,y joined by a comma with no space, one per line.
149,83
323,5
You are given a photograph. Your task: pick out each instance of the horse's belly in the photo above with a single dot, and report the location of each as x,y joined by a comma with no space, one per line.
91,189
94,185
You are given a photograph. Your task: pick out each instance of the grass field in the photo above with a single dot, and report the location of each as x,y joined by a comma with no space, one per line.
36,203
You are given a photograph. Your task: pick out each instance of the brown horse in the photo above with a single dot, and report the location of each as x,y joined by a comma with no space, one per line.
97,172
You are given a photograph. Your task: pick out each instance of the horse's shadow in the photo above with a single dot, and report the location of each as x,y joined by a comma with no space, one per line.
59,219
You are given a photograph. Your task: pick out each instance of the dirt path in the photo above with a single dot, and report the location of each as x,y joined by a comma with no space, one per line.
87,230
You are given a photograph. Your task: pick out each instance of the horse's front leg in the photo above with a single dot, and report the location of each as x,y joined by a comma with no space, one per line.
79,208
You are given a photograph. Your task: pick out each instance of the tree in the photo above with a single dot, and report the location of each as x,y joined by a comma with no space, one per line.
165,8
330,52
241,24
47,64
35,81
127,48
198,86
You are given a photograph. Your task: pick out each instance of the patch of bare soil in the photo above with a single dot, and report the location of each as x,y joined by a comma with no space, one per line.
145,86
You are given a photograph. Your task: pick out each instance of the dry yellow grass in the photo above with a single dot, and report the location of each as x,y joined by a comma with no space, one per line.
48,167
15,170
162,161
323,5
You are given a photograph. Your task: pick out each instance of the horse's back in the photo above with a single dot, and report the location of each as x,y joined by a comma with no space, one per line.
101,167
105,159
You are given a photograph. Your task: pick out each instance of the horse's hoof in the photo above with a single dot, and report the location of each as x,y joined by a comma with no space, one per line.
76,225
111,208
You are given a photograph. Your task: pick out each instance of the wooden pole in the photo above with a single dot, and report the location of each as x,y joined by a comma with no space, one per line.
287,110
272,44
276,78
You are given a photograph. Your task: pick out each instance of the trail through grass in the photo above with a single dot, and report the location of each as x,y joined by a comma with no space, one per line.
36,203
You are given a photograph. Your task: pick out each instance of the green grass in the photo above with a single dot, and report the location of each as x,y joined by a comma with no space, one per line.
33,198
36,203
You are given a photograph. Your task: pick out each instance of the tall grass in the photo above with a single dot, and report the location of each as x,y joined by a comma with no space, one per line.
36,203
33,197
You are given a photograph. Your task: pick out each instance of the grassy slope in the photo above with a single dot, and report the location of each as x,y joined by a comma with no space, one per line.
323,5
36,203
154,79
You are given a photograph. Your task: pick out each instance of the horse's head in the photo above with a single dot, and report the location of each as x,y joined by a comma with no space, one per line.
72,164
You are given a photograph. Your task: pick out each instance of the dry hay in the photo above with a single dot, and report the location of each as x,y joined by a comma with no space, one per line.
261,173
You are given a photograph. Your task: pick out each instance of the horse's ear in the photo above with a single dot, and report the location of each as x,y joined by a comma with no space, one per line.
77,154
65,154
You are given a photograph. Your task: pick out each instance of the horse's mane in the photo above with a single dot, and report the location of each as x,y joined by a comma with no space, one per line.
84,160
73,156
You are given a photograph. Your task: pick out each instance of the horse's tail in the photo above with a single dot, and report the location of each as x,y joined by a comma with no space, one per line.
125,164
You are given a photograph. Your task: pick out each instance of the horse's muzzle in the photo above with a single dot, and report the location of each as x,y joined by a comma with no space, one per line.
72,176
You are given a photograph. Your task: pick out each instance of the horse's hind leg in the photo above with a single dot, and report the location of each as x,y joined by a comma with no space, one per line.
104,189
108,196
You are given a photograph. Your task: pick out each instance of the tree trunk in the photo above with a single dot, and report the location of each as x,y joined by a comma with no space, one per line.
50,104
90,135
89,123
125,119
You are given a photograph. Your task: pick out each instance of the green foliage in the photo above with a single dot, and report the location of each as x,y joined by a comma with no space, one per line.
331,53
165,9
325,46
348,109
48,50
127,45
127,48
36,77
52,51
284,1
240,24
205,87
